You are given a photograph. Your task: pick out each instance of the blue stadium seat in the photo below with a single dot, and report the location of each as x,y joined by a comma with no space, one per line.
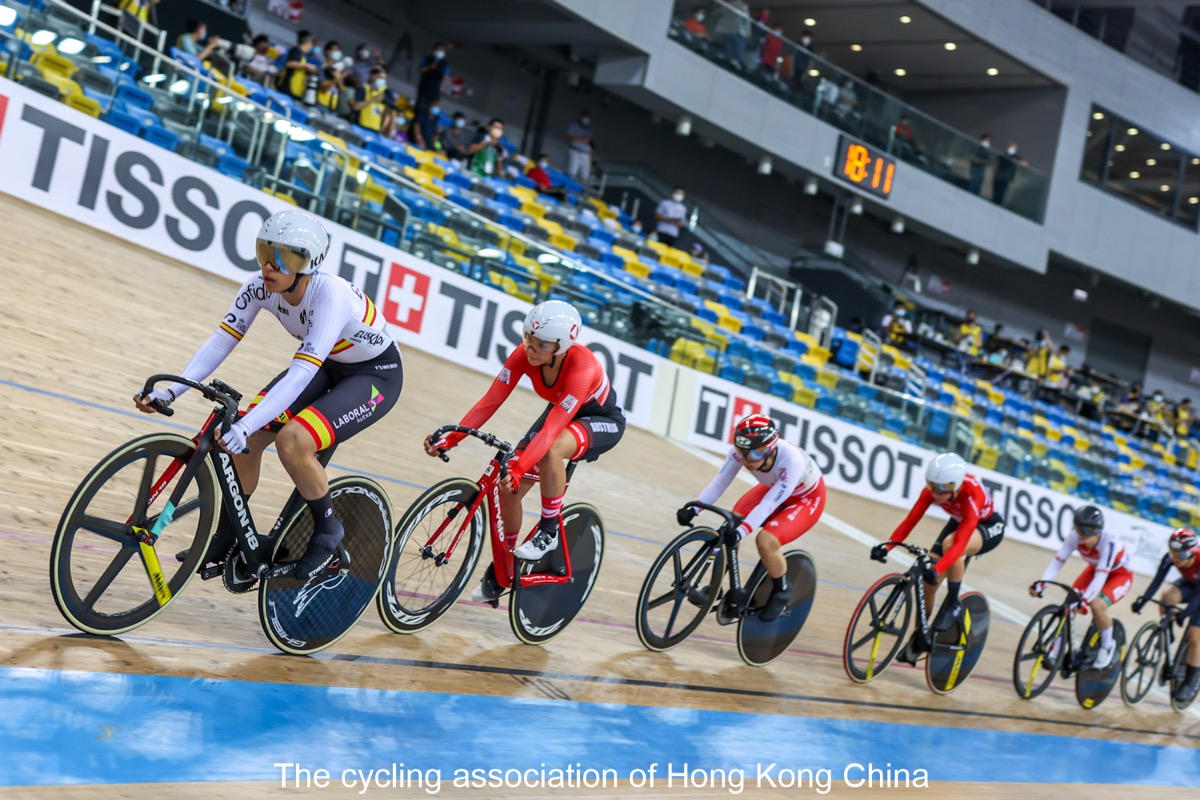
161,137
233,166
123,121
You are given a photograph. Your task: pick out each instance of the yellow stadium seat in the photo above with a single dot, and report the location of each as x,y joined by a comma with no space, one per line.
564,242
49,62
624,253
804,397
730,323
658,247
637,268
551,227
524,193
433,168
285,197
83,103
827,379
533,209
669,259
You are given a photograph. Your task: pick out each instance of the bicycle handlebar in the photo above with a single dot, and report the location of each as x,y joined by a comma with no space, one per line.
731,519
1073,594
506,449
919,552
217,392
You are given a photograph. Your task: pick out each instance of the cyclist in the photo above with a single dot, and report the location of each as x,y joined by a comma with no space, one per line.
784,506
974,524
345,375
1104,581
1183,552
581,421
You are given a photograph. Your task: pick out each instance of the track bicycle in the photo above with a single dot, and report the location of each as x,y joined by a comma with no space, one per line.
1047,648
685,582
1150,660
163,492
439,540
880,624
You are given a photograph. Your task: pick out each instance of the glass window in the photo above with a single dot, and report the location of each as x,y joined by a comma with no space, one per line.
1095,150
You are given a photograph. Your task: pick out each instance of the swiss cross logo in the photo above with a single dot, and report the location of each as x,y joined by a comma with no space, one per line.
742,408
406,297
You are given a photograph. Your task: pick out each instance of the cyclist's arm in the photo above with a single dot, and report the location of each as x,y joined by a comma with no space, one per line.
924,500
1060,558
962,536
1164,567
233,327
711,493
496,394
579,385
328,315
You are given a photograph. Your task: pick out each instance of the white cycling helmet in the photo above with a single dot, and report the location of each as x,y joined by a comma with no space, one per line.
554,321
293,241
946,472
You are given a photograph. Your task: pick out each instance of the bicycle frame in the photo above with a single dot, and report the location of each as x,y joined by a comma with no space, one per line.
913,578
1066,620
503,542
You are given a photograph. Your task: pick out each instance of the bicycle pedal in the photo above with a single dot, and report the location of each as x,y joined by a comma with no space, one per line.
214,571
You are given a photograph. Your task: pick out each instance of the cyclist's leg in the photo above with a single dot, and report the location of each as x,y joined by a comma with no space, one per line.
349,399
1174,594
789,522
929,594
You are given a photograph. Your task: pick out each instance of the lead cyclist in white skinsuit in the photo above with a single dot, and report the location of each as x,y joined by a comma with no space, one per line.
345,375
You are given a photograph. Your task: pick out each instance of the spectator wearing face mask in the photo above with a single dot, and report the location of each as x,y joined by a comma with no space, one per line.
432,70
333,74
896,327
802,56
579,156
1006,170
537,173
670,217
423,130
364,60
487,150
695,24
298,69
456,138
375,104
1037,357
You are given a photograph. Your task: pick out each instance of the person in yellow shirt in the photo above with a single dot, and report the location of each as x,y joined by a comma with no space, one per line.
1037,357
970,336
1057,372
140,9
1183,418
1156,411
896,327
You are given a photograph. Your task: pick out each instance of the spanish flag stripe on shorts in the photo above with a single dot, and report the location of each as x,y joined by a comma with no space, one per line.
317,426
308,358
282,419
232,331
370,314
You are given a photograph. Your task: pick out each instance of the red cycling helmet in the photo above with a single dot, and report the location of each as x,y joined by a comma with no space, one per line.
755,432
1183,541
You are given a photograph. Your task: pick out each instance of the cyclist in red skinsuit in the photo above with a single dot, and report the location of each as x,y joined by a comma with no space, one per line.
581,421
974,523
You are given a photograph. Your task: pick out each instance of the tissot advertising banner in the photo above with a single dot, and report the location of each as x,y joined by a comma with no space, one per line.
69,163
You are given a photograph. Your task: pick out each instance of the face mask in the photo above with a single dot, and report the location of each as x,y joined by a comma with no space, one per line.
986,142
380,83
435,112
439,54
364,54
1012,151
806,40
543,164
460,123
335,55
637,227
900,312
1158,398
699,16
678,197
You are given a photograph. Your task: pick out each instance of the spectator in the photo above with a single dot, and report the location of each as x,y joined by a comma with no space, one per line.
803,55
1006,170
140,9
1037,357
827,98
847,102
994,342
695,24
537,173
970,336
896,327
671,216
191,41
298,70
732,26
261,67
579,154
423,130
636,227
364,60
1058,373
1132,401
333,74
979,163
906,141
487,150
1183,418
374,104
456,138
432,70
771,55
1156,410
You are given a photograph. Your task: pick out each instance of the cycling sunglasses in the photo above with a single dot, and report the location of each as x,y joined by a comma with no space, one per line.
757,454
287,260
1177,546
1087,530
942,488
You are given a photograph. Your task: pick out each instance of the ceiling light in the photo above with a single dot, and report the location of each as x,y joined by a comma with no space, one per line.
901,72
993,72
811,186
764,165
856,48
1195,161
972,256
71,46
489,252
43,37
548,258
950,46
810,22
1135,174
1164,146
1150,162
905,19
898,224
1132,131
1164,188
1097,115
814,72
684,126
1120,148
7,15
1080,295
856,207
102,60
1193,200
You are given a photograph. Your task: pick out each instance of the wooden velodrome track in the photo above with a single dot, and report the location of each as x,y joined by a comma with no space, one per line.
87,317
